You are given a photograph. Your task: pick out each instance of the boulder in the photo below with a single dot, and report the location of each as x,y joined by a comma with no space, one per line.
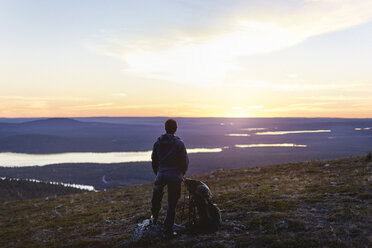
150,230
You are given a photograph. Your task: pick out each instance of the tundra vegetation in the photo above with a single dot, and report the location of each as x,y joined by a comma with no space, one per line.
21,189
317,203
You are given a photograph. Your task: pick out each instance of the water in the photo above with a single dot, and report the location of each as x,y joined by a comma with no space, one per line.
238,134
292,132
107,140
271,145
9,159
96,151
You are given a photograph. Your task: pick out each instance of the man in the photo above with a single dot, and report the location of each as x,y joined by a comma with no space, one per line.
169,163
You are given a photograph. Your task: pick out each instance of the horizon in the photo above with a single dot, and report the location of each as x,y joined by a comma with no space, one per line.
186,117
186,59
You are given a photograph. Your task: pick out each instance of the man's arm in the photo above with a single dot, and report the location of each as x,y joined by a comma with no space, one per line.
155,159
185,160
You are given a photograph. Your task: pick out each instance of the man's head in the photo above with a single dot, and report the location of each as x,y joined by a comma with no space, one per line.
171,126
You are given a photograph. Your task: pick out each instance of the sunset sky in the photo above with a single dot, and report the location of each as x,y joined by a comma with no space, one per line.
186,58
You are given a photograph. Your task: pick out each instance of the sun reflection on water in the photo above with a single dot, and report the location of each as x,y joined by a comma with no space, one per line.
292,132
270,145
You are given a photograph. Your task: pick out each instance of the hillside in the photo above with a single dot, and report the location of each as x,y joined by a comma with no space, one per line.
20,189
309,204
88,174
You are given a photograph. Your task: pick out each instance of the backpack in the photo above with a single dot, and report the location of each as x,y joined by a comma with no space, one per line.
209,214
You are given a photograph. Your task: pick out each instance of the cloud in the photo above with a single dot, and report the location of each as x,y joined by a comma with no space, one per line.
303,86
40,98
322,107
93,106
206,56
120,94
336,98
237,108
256,107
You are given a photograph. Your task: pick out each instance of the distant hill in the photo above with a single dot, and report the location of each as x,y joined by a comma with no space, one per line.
58,135
310,204
51,120
11,189
41,144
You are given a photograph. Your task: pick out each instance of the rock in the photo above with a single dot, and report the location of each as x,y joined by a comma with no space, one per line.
286,196
109,222
276,179
56,213
147,229
283,223
108,199
240,226
49,198
251,213
326,165
319,226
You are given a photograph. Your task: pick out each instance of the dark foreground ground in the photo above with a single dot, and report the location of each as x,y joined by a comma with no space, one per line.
309,204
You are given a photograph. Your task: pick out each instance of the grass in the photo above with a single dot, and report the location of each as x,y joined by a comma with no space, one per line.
369,156
309,204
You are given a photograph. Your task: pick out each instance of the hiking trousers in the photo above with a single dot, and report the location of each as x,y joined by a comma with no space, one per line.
174,193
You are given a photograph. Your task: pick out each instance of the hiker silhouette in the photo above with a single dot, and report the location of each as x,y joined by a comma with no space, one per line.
169,163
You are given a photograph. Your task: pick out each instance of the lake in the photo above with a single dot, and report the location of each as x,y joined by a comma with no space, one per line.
9,159
107,140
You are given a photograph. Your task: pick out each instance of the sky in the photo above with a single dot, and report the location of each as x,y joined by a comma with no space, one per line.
186,58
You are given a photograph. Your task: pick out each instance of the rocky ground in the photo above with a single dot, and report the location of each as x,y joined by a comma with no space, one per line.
309,204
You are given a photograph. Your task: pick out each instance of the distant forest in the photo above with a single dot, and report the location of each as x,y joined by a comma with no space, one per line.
17,189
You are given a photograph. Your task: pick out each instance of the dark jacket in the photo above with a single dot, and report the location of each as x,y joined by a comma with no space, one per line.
169,157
